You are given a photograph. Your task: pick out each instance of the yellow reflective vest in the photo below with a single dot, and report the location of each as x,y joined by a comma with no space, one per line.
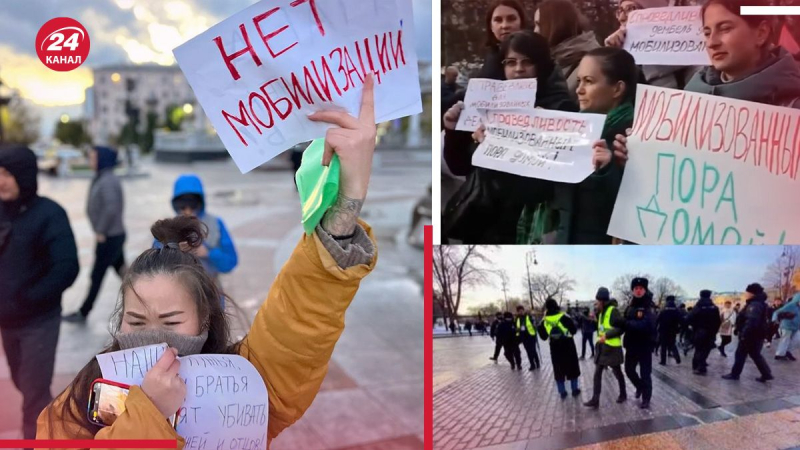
604,324
555,321
528,325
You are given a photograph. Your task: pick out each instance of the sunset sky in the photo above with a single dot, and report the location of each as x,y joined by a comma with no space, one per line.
716,267
121,31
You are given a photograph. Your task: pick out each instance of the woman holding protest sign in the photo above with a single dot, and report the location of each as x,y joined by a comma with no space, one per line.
674,77
167,296
486,208
746,63
580,213
566,30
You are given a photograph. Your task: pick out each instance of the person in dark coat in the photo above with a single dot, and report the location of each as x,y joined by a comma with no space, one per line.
751,327
610,326
559,329
588,326
526,331
705,322
449,88
507,336
498,319
38,262
669,324
105,207
468,327
640,337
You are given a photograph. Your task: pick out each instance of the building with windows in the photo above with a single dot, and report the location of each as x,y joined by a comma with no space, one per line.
124,91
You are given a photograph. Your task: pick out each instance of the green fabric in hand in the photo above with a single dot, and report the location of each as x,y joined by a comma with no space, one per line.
318,185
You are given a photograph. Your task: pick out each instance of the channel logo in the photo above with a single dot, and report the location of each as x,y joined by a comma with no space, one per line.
62,44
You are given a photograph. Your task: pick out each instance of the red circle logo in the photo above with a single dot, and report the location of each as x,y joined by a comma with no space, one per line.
62,44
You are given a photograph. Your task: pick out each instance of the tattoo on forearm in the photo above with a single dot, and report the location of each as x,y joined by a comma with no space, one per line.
341,218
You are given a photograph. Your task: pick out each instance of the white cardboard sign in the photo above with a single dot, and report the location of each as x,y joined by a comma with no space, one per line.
226,405
709,170
667,36
485,94
551,145
262,71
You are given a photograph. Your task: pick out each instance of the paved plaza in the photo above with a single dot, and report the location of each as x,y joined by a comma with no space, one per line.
373,394
479,404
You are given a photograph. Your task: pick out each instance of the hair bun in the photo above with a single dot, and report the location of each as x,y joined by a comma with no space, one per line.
180,229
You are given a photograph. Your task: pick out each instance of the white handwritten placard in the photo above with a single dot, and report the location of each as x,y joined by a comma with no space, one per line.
709,170
262,71
226,405
667,36
485,95
551,145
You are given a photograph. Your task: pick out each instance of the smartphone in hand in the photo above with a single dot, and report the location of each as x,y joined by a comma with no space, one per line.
107,403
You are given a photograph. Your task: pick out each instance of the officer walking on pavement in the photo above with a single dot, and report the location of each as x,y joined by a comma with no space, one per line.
705,322
669,324
610,325
526,330
640,337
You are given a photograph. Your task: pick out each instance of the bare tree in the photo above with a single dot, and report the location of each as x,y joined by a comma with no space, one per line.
545,285
779,274
504,283
664,287
621,288
456,267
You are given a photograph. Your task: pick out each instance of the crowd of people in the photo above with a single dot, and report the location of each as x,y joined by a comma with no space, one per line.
575,73
171,291
631,337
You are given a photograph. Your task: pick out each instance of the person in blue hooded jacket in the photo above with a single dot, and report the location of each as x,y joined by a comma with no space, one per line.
104,208
789,317
217,253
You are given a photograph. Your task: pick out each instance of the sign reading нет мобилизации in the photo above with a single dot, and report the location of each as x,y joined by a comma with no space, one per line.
262,71
709,170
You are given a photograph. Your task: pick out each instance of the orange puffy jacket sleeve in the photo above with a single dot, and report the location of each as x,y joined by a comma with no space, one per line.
290,344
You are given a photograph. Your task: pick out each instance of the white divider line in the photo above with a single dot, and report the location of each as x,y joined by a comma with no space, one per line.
770,10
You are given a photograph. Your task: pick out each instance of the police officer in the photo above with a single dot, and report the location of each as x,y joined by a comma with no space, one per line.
669,323
610,325
526,331
705,322
640,337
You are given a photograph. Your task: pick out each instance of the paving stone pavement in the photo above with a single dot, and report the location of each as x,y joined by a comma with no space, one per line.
372,396
494,407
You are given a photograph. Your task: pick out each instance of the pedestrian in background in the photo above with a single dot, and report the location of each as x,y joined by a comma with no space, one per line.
789,317
588,326
218,254
705,322
751,328
104,207
727,319
38,262
559,329
610,326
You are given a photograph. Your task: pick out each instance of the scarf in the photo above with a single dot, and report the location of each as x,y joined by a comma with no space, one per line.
186,345
617,119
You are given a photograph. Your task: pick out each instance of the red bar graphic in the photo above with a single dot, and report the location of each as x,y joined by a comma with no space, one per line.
428,280
70,443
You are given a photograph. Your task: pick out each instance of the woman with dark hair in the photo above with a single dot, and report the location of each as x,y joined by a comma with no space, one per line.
487,207
503,18
746,63
580,213
559,328
673,77
560,22
167,296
